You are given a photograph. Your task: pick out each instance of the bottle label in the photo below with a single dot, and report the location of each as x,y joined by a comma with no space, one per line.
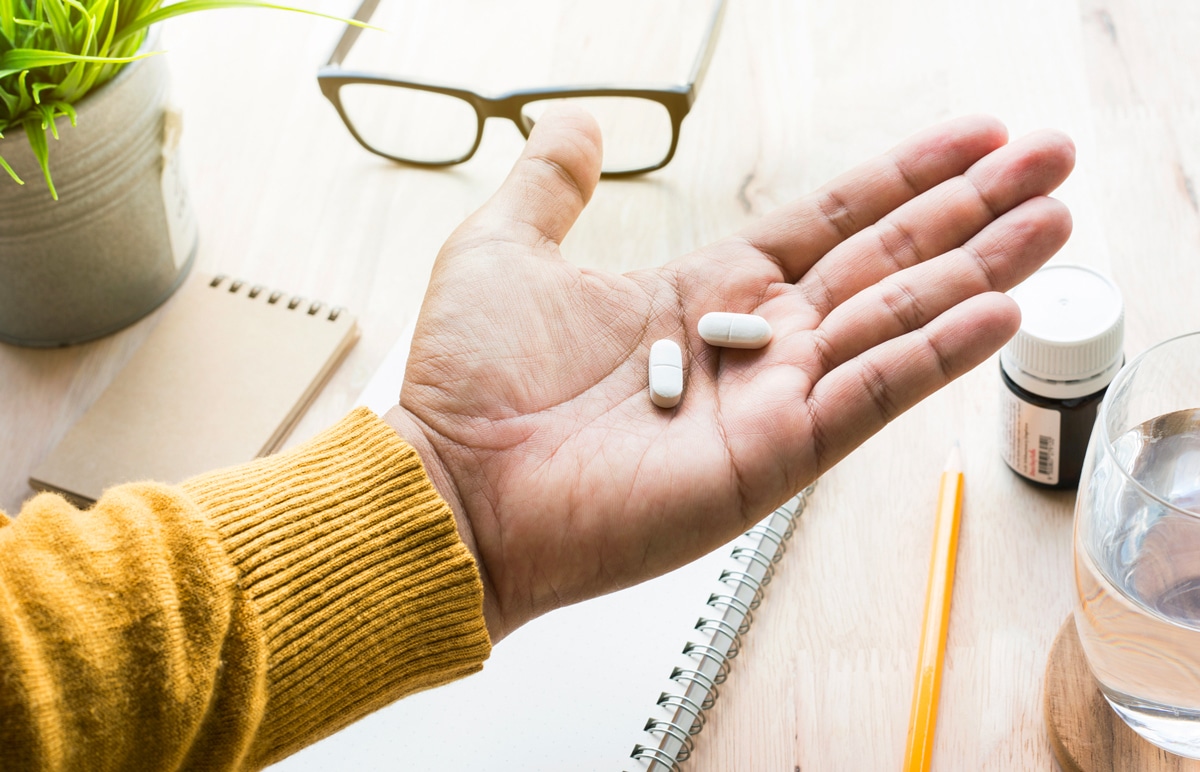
1030,438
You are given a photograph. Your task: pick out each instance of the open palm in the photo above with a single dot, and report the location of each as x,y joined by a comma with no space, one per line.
526,388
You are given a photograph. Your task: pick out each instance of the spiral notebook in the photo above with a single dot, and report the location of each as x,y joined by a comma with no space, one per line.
222,379
620,683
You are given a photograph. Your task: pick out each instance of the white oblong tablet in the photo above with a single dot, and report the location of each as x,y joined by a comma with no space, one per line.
721,328
666,373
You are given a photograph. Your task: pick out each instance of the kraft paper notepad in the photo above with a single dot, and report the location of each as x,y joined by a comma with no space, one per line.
221,380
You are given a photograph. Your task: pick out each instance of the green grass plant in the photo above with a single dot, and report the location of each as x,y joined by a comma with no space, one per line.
55,52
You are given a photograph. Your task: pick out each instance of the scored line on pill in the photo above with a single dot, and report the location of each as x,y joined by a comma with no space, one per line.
729,330
666,373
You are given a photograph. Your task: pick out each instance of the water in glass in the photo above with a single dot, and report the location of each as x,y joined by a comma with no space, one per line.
1137,566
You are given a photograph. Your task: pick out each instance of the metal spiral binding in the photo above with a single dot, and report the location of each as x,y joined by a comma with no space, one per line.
718,600
686,741
743,579
273,298
711,653
779,539
685,676
755,555
654,755
689,706
674,738
729,631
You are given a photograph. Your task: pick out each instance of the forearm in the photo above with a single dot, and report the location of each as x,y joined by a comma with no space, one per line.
234,619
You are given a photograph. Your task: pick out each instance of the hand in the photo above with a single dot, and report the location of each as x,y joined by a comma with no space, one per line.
526,389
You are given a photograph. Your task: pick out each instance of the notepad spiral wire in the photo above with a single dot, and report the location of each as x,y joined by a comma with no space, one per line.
673,738
274,297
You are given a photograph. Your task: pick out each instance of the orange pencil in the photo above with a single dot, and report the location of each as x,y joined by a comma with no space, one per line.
923,717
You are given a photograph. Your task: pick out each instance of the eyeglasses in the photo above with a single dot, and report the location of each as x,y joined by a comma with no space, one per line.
427,124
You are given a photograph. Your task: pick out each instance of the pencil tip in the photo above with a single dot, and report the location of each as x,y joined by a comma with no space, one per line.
954,462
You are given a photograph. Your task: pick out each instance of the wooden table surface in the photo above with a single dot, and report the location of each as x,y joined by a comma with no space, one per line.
797,92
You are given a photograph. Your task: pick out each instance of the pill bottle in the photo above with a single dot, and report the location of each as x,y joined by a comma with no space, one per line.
1056,369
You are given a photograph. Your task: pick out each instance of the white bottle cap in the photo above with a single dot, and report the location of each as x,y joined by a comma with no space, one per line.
1071,336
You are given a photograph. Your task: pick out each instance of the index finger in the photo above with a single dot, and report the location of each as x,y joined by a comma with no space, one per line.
796,235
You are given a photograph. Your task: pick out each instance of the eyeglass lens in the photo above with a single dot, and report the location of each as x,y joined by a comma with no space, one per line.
636,132
414,125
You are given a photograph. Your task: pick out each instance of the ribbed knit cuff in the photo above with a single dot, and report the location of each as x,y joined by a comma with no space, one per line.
353,562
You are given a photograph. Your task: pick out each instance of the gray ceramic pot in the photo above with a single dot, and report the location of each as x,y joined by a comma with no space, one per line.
120,239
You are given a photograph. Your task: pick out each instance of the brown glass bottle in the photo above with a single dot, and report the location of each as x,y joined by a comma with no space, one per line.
1077,417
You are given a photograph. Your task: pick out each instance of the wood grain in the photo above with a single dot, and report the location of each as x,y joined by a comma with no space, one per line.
797,93
1087,735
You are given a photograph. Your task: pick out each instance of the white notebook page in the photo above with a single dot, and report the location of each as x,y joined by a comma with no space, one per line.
571,690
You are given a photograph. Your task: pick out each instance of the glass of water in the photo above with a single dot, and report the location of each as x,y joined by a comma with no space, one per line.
1137,546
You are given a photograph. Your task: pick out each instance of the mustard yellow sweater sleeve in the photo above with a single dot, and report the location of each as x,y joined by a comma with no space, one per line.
230,621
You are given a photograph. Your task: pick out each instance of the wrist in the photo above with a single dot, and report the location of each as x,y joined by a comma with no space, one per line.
414,433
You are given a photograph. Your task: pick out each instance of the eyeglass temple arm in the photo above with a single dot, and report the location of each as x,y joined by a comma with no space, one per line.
707,46
350,36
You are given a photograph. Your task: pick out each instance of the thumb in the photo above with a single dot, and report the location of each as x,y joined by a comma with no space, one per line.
554,178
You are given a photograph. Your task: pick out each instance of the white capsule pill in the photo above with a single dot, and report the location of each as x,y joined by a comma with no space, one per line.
666,373
734,330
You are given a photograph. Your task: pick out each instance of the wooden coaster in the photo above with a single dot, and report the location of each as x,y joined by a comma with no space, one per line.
1087,735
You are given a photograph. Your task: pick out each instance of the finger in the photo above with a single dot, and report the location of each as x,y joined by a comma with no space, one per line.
861,396
943,218
552,181
797,235
996,260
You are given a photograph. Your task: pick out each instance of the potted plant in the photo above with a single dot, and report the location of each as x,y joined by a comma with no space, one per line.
95,225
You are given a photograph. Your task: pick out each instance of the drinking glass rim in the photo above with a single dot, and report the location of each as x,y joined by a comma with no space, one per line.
1102,418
